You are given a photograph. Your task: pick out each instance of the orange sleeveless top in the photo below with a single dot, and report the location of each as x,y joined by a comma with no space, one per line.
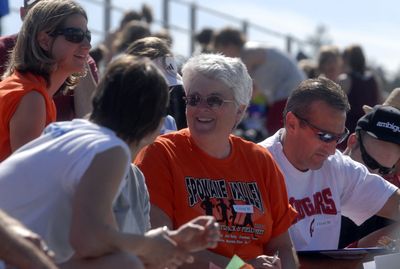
12,89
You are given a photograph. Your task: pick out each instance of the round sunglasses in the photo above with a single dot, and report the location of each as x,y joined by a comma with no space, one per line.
212,101
73,34
370,162
323,135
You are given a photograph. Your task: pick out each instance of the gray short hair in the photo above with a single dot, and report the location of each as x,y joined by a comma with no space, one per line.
230,71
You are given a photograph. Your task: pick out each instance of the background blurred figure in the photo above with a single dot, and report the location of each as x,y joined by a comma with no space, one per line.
165,35
204,167
274,73
204,38
131,32
359,84
330,62
309,67
21,248
146,15
160,53
51,49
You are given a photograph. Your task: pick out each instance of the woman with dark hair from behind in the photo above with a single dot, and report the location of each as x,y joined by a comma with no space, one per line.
77,169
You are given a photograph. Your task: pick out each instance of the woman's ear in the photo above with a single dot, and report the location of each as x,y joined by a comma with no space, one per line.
44,40
240,112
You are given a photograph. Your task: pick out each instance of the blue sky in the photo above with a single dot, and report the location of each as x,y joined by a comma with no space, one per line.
373,24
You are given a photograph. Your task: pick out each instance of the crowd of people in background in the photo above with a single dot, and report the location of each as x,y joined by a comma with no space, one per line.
124,155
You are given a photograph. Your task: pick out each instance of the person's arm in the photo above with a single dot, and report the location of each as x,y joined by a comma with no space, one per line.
28,121
94,232
391,209
202,258
21,247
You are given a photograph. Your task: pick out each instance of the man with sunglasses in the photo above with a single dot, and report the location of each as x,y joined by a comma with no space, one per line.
69,104
323,183
376,144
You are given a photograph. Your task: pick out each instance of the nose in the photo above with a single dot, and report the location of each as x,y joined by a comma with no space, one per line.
330,147
86,43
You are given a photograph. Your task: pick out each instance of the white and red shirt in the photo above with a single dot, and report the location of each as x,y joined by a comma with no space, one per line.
340,187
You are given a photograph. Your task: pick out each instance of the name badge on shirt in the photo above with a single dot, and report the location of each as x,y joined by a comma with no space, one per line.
243,208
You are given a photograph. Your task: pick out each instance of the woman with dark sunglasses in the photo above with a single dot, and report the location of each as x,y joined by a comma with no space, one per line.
205,170
51,51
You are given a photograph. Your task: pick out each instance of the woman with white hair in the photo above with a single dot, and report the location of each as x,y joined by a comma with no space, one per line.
205,170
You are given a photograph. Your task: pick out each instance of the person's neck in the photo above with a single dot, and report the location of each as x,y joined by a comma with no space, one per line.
288,148
214,147
56,81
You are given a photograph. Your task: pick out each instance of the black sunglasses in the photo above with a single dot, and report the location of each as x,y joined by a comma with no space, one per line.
213,101
72,34
370,162
323,135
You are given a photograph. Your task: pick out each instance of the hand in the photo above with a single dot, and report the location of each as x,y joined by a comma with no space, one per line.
264,261
161,252
197,234
20,230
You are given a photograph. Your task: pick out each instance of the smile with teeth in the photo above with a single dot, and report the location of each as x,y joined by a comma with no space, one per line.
205,120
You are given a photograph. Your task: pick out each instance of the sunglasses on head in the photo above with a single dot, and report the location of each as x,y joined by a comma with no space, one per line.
323,135
72,34
213,101
370,162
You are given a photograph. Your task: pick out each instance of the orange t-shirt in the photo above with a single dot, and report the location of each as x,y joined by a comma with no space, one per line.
12,89
245,191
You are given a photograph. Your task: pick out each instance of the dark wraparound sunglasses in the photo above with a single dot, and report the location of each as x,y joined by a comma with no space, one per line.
213,101
323,135
72,34
370,162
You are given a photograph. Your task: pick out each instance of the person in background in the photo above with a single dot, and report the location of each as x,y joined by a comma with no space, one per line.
52,46
146,15
322,183
21,248
131,32
70,102
274,73
160,53
330,62
84,164
358,83
205,170
376,144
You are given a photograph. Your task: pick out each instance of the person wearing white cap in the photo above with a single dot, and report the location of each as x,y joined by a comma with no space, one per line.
376,144
159,52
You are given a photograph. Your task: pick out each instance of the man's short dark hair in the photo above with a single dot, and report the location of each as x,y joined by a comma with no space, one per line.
131,98
312,90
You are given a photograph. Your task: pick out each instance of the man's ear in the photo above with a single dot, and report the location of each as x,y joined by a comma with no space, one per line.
352,141
44,40
291,121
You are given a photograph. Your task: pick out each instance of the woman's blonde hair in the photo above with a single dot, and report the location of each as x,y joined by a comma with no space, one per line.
47,16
